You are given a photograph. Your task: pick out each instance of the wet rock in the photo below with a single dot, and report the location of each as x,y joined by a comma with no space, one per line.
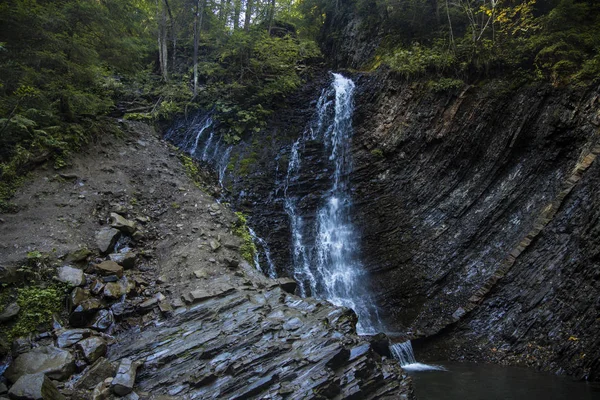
70,275
92,348
84,312
108,268
19,346
72,336
78,256
3,388
293,324
95,374
106,238
115,290
125,377
287,284
34,387
123,310
149,303
199,295
9,312
165,307
54,362
102,390
122,224
96,286
104,319
311,358
125,259
78,296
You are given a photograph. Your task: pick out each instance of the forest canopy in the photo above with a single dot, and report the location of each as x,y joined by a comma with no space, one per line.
67,65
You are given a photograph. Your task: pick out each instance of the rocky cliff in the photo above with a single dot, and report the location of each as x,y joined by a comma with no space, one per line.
476,212
478,218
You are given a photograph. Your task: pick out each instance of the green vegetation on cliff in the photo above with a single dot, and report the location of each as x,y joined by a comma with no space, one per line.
551,40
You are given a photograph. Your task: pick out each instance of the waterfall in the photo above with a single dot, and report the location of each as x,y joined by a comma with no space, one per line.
328,267
403,352
191,138
261,244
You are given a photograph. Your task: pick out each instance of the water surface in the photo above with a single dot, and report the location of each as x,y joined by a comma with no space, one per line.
468,381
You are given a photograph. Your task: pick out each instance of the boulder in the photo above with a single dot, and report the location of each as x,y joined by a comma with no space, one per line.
95,374
214,244
84,312
107,268
78,256
78,296
124,380
102,390
9,312
125,259
287,284
122,224
34,387
106,238
92,348
72,336
115,290
70,275
104,319
54,362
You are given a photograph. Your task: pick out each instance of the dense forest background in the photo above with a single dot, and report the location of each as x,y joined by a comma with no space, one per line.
68,66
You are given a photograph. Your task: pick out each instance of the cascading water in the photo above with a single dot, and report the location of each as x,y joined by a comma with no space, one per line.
403,352
197,138
261,244
328,267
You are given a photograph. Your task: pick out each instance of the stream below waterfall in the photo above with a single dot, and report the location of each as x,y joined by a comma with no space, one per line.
470,381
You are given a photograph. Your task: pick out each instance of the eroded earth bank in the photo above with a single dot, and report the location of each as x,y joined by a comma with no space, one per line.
162,303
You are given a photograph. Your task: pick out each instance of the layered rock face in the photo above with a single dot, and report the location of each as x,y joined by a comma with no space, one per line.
479,220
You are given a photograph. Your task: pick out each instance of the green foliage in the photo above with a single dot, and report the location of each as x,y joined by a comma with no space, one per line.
38,305
240,228
469,39
377,153
191,170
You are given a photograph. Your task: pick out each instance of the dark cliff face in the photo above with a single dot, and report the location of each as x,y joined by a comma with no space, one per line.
455,192
476,209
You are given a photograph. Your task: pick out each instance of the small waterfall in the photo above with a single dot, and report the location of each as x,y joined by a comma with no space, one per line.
261,244
403,352
329,267
192,138
207,124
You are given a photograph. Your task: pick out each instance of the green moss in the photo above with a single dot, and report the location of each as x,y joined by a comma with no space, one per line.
240,228
191,169
247,163
377,153
38,305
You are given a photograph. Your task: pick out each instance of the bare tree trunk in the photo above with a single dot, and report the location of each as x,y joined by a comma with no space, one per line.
237,10
271,15
198,18
196,30
450,25
161,16
249,6
173,35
